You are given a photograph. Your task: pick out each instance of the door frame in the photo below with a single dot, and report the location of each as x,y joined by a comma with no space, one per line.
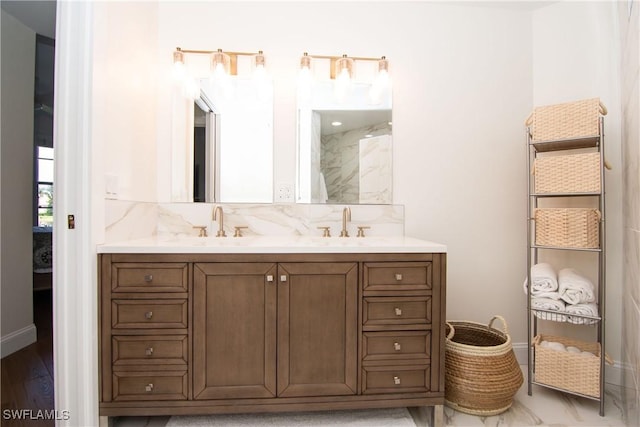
75,344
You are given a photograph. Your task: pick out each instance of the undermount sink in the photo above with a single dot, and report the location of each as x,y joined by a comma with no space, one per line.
272,244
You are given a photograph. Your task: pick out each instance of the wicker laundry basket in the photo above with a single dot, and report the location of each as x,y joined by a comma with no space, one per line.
574,173
481,371
568,227
568,120
575,372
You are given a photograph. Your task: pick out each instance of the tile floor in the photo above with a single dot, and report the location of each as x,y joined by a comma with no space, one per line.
545,407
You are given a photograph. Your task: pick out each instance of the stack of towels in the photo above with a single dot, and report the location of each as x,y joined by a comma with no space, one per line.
567,294
558,346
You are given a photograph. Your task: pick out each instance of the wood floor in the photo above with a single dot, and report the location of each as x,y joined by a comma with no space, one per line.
27,375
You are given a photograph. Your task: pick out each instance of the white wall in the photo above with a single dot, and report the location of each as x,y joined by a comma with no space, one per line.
462,88
125,85
576,54
16,253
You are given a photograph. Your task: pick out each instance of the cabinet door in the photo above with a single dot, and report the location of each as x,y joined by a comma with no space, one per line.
234,330
317,329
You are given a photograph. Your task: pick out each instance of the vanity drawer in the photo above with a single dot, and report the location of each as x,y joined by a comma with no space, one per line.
149,277
396,345
152,385
149,350
396,311
148,314
395,276
395,379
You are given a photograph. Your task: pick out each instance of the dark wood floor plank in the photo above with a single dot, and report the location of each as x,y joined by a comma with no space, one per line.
27,375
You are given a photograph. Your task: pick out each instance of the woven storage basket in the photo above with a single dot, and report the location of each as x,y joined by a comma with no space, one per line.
574,372
575,173
567,227
481,371
566,121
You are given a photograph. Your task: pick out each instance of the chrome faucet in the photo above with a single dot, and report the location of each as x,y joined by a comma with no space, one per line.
346,216
218,215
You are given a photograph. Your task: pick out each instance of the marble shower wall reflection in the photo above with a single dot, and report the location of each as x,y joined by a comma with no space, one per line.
132,220
344,157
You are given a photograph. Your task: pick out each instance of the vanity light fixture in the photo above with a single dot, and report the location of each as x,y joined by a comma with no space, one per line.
336,123
341,71
223,63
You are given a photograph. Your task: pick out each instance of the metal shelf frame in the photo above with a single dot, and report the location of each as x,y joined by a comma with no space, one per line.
533,148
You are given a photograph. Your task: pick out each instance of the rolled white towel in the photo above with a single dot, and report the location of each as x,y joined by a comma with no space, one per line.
575,288
572,349
543,279
557,346
577,310
549,304
541,294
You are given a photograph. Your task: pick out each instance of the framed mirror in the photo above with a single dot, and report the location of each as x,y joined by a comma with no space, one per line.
233,142
345,146
222,140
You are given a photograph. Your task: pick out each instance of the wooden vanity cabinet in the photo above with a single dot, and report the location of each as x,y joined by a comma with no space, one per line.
220,333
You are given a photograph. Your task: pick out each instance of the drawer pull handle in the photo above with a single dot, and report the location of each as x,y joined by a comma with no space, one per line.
398,277
283,278
149,387
148,314
149,351
396,380
398,311
397,346
269,278
148,277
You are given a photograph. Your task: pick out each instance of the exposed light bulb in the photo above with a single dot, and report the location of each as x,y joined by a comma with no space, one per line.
344,67
179,68
380,86
305,80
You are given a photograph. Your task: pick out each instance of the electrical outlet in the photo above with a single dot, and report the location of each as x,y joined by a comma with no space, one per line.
284,192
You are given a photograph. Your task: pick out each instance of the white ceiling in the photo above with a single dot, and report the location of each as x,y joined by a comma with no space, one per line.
40,16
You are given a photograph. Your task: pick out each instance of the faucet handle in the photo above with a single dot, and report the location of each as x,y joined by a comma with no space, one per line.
326,232
361,230
202,230
238,230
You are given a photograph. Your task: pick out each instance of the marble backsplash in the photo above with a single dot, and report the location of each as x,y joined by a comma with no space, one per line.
133,220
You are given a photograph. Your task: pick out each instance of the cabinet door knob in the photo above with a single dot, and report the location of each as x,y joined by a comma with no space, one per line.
269,277
149,387
283,278
148,277
398,277
396,380
397,346
148,314
149,351
398,311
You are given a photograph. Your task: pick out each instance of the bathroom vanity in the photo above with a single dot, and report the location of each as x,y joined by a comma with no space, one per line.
263,324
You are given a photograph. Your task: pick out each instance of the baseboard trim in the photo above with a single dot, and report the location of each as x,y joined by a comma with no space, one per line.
613,374
18,340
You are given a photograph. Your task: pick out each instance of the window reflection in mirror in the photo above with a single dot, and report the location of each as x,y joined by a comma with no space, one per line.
234,163
348,163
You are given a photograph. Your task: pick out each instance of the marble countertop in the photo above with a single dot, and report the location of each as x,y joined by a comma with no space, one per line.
273,244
